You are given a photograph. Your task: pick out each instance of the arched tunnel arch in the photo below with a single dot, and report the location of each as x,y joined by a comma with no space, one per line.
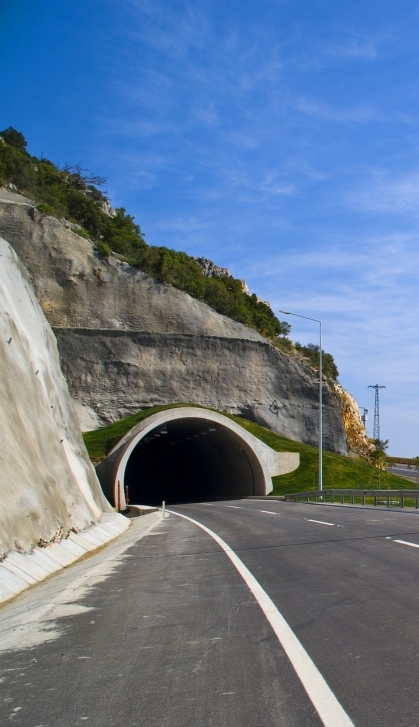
188,460
183,455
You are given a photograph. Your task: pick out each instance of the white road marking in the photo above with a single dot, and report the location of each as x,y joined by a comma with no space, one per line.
236,507
321,522
270,512
405,542
327,706
384,520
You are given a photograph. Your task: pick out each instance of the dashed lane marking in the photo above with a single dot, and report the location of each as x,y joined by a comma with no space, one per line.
321,522
324,701
270,512
405,542
236,507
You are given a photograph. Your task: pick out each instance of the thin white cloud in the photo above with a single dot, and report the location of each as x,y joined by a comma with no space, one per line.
358,114
166,29
135,128
364,292
241,139
207,114
352,49
186,225
385,194
253,189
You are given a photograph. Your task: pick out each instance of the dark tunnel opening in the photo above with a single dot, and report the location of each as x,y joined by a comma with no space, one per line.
188,460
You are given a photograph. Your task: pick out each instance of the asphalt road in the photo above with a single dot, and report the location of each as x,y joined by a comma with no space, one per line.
163,630
402,471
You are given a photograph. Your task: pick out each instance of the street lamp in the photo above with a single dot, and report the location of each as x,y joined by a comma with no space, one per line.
288,313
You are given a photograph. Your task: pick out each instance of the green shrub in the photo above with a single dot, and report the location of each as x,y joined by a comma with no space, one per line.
312,352
14,138
82,233
103,248
45,208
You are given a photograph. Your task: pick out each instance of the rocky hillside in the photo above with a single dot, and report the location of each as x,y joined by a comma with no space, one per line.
356,435
80,288
127,341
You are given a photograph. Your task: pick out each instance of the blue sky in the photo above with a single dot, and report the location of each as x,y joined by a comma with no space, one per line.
278,138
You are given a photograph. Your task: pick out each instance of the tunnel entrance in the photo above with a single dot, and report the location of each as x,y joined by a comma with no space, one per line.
188,460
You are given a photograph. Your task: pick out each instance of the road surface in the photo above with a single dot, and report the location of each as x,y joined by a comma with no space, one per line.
160,629
401,470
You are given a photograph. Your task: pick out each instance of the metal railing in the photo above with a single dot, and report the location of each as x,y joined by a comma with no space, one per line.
352,497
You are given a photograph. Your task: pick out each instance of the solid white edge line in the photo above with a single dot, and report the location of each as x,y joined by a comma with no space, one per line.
405,542
324,701
321,522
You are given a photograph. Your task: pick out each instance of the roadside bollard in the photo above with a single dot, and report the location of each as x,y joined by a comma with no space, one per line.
164,509
119,496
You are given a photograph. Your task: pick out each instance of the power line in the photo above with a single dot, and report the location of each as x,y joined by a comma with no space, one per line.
376,434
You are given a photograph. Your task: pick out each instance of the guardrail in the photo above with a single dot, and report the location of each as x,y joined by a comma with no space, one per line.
353,495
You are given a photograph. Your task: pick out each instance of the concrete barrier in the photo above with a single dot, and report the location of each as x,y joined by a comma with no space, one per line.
18,571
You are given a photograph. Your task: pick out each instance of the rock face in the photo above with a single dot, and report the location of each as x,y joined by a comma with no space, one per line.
356,434
47,485
127,341
210,269
117,373
79,289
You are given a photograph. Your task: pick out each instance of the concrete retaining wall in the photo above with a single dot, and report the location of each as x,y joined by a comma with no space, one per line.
18,571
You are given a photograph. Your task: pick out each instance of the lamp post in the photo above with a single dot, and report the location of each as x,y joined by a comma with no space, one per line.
288,313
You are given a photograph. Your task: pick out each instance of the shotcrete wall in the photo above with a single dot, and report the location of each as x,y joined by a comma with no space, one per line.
47,485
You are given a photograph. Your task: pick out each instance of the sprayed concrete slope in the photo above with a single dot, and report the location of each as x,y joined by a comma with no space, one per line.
48,486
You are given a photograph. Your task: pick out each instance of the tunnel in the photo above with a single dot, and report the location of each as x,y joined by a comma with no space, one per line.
186,461
187,454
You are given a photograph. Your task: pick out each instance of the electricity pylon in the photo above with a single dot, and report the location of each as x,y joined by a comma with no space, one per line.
376,434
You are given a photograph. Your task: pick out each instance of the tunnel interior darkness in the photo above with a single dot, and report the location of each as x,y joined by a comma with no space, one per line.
188,460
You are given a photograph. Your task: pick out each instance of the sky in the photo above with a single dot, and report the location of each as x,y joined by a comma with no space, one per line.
279,138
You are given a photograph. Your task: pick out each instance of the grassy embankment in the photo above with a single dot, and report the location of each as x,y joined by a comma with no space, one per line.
338,471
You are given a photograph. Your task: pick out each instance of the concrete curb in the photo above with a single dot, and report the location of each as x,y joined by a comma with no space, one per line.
18,571
139,510
265,497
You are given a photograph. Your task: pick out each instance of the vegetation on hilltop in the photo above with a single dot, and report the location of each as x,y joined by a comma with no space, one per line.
312,353
72,194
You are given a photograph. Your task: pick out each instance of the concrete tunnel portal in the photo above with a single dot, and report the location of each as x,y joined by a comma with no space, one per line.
186,454
188,460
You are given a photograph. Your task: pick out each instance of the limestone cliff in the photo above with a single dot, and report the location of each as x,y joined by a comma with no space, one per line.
356,434
78,288
47,486
127,341
117,373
